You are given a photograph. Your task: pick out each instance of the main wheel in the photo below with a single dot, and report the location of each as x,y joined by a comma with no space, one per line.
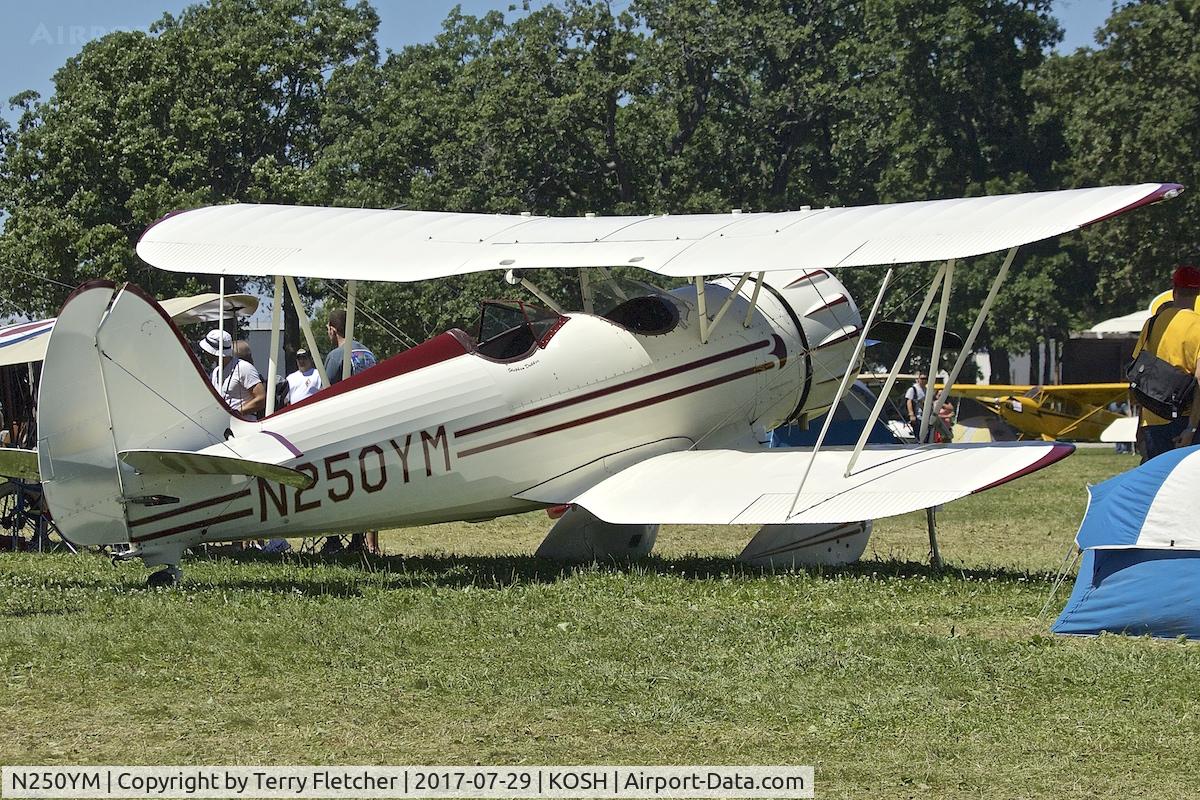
167,576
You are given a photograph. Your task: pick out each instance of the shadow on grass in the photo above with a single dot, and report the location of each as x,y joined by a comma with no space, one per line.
350,575
354,575
20,613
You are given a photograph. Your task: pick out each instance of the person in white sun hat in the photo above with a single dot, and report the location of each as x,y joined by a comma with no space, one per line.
237,382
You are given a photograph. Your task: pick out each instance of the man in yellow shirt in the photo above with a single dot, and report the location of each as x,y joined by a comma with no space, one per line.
1174,336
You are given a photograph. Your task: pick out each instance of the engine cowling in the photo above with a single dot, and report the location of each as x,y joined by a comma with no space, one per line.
816,314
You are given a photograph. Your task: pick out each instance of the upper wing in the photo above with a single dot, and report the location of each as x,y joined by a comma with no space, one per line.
1096,394
986,389
1099,394
371,244
728,487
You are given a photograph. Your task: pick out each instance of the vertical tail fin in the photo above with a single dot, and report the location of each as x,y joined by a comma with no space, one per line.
117,376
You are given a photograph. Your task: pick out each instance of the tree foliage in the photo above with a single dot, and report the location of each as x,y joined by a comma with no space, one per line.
664,106
221,103
1129,111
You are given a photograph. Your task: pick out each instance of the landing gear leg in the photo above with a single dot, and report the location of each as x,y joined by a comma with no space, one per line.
167,576
935,557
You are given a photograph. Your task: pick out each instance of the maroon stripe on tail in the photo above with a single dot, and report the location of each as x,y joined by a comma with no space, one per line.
175,512
283,441
204,523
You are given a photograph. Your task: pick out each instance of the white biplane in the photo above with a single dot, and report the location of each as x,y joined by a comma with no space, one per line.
646,413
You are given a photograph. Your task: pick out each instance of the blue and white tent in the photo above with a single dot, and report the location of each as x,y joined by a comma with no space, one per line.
1140,572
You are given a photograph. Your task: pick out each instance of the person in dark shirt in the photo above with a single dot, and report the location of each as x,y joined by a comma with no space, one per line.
360,357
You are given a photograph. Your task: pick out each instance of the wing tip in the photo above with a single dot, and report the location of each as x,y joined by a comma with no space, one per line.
1058,451
1161,192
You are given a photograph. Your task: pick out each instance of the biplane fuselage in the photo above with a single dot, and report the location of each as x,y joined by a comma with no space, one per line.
457,429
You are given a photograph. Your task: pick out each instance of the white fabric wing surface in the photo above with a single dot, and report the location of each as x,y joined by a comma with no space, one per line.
729,487
401,245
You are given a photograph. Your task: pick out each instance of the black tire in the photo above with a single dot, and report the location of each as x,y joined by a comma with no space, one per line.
162,578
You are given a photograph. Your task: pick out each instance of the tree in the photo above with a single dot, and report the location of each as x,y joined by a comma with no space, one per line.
1130,113
221,103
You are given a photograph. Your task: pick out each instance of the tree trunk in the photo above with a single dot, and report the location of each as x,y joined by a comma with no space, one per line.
1000,369
292,338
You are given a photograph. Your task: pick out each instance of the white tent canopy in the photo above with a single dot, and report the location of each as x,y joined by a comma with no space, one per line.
25,342
1127,326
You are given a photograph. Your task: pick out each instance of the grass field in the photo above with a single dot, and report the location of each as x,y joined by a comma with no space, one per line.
895,680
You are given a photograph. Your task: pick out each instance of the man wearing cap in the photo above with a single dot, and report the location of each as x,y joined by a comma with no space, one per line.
914,401
360,357
305,381
1173,334
237,382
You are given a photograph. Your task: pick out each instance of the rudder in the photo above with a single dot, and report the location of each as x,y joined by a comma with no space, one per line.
118,376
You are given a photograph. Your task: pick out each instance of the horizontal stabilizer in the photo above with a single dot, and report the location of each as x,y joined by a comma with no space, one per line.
730,487
16,463
181,462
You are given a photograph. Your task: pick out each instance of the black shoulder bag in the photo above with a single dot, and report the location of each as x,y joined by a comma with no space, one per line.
1158,385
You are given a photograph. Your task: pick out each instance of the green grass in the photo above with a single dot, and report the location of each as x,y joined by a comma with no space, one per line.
894,680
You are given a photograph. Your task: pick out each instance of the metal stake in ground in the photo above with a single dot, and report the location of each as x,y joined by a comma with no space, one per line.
935,557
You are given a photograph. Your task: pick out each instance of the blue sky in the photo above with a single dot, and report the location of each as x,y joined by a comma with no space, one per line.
36,38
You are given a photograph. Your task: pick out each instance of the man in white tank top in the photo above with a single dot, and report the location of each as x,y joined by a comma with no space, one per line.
305,381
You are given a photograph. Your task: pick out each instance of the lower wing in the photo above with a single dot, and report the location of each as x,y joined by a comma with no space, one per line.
730,487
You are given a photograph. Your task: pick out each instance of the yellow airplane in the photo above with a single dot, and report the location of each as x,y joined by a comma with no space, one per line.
1076,411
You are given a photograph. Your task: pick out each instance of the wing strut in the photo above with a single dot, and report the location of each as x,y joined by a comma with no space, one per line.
900,359
978,324
514,277
348,345
851,369
221,329
273,354
585,291
758,282
733,295
935,359
306,328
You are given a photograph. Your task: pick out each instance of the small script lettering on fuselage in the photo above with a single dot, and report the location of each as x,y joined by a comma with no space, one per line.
336,478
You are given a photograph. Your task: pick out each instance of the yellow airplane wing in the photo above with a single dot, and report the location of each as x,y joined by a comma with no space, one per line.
986,389
1096,394
1088,393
